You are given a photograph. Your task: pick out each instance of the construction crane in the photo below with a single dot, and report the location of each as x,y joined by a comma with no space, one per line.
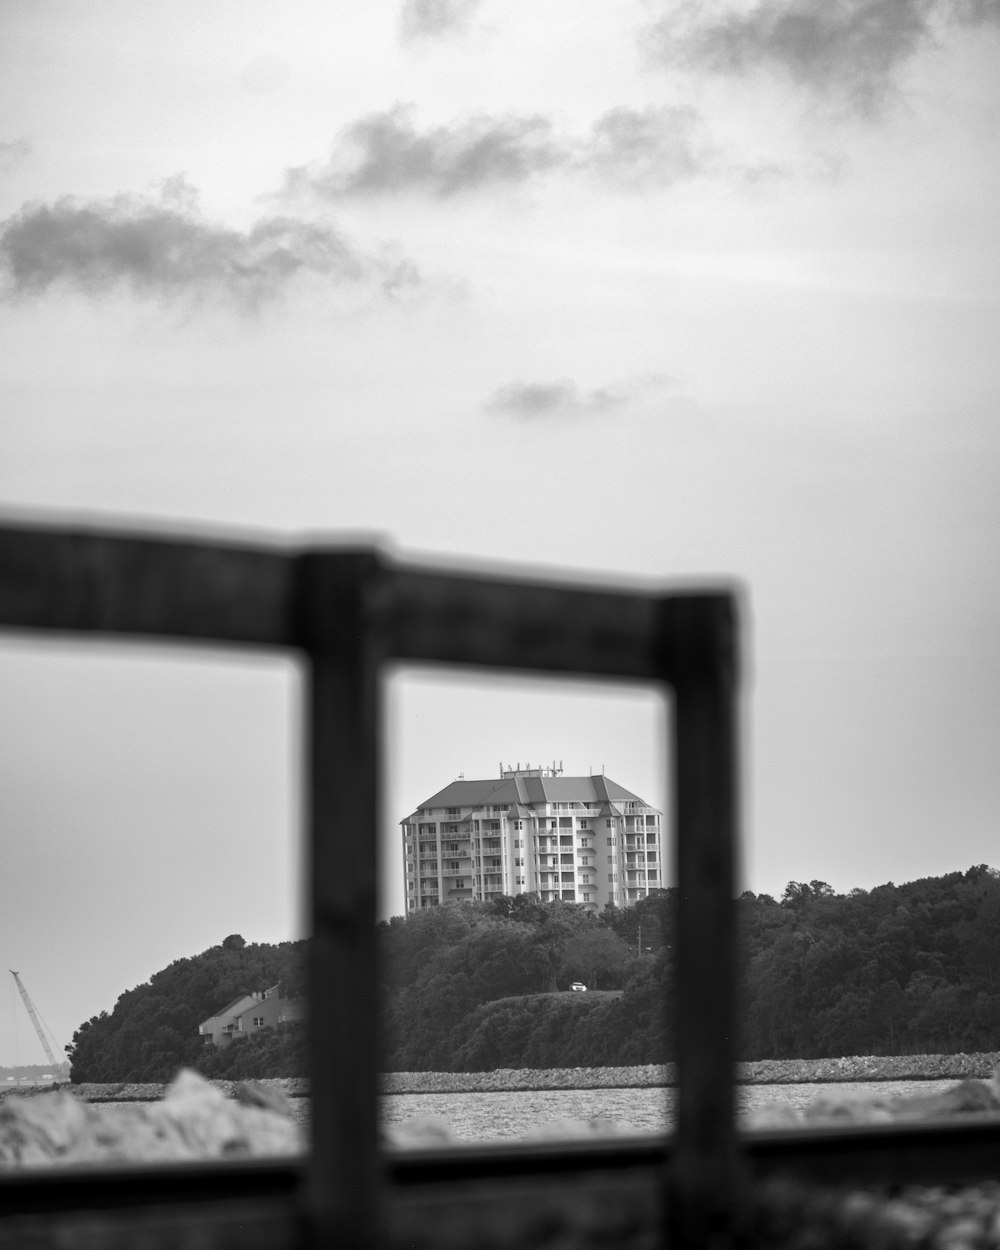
34,1019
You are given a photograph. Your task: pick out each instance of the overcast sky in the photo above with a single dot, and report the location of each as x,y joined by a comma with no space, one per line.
652,289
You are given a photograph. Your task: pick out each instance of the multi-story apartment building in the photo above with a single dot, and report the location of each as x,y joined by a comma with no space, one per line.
582,839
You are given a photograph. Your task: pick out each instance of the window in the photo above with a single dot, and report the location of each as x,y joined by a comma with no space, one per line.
258,1022
609,824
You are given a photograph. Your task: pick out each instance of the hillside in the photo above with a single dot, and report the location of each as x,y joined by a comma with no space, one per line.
153,1029
898,970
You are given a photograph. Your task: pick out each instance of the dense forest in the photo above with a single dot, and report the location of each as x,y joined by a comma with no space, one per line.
895,970
153,1029
902,969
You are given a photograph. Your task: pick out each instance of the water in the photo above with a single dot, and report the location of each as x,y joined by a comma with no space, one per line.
502,1116
512,1115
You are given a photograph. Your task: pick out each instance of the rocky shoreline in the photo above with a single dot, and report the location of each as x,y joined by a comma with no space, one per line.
868,1068
650,1076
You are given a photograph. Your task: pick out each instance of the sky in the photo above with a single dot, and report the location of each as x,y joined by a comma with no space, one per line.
646,292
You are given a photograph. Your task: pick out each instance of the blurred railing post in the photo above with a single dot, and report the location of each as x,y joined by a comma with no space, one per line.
702,668
344,640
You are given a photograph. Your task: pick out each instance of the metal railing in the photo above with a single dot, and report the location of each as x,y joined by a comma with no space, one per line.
346,613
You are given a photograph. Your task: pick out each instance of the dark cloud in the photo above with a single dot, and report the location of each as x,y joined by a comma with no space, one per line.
846,50
422,19
165,249
975,12
385,153
544,399
642,146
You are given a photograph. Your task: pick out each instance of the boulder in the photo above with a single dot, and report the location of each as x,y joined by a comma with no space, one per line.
193,1121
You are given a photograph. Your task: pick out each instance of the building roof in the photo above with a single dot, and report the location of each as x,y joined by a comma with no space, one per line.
239,1006
522,789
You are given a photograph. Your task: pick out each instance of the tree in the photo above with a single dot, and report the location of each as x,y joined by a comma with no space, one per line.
153,1029
597,957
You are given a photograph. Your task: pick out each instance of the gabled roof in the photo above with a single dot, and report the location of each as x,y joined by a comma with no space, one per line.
238,1007
529,788
231,1008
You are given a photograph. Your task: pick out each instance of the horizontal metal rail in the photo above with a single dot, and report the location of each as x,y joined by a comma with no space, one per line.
347,613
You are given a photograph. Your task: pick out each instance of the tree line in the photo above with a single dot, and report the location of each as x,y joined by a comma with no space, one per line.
153,1029
902,969
909,969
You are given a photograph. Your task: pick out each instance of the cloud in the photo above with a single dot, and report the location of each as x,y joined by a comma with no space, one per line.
12,153
646,146
421,19
531,400
975,12
846,50
544,399
163,248
385,153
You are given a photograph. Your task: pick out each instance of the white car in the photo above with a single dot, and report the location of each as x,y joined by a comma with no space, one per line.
578,986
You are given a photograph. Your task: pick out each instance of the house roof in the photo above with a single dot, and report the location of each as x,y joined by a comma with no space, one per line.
237,1007
524,789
